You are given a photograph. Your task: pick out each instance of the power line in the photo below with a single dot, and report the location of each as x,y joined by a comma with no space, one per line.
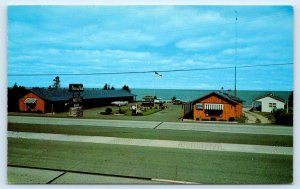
150,71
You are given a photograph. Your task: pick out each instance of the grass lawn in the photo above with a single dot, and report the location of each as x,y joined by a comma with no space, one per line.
196,136
170,114
207,167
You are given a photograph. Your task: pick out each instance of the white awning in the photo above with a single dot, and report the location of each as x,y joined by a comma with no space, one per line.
30,100
209,106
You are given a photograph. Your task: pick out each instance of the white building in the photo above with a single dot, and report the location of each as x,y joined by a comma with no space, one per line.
269,102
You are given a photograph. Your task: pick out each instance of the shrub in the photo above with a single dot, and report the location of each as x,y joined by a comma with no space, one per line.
122,111
231,119
108,110
243,119
257,120
213,119
283,118
205,119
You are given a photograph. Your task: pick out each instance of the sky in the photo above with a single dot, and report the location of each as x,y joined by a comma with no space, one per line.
58,40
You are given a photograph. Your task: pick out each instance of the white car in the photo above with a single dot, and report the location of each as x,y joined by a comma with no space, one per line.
159,100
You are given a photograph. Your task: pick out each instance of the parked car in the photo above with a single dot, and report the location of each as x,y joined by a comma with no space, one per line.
159,101
177,102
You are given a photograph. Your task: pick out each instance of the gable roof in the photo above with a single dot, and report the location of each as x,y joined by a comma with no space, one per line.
63,94
232,99
271,96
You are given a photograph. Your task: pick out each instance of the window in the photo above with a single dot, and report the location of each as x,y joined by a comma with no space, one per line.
31,105
274,105
270,105
217,113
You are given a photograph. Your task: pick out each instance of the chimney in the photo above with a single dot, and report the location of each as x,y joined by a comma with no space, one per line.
222,90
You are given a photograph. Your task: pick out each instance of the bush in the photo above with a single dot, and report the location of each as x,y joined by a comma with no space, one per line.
243,119
122,111
205,119
108,110
257,120
213,119
231,119
283,118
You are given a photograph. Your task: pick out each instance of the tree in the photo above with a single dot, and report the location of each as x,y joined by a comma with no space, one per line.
13,96
126,88
283,118
290,100
173,98
106,87
56,83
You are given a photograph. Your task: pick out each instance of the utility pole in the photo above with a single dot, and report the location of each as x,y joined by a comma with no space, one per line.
235,56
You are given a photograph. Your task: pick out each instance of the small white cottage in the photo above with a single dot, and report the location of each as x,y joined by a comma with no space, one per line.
269,102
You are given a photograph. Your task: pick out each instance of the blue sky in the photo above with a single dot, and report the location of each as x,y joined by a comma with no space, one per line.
89,39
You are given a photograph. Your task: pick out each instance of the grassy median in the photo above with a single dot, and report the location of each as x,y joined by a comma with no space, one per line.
208,167
194,136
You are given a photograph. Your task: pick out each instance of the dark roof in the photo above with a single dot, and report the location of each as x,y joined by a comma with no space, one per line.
64,94
232,99
270,95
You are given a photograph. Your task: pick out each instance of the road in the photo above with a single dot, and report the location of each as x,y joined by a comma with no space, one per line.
223,147
60,158
226,128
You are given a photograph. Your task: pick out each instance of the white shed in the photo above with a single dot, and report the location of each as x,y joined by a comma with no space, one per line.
270,102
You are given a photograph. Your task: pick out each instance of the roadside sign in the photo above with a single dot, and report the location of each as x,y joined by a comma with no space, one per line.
199,106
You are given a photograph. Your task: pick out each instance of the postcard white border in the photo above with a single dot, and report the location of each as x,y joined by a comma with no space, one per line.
3,79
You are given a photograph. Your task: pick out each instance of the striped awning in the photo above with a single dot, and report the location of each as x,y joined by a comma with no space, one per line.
30,100
213,106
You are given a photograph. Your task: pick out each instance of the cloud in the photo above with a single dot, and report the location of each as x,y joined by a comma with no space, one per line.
83,39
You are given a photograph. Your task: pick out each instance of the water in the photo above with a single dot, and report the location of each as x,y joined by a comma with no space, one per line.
189,95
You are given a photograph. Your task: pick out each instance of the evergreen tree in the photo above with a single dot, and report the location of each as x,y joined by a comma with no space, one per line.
56,83
126,88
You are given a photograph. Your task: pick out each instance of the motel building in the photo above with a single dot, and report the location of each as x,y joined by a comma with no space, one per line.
217,106
57,100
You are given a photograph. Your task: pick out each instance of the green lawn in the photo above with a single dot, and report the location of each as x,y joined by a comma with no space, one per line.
171,114
196,136
207,167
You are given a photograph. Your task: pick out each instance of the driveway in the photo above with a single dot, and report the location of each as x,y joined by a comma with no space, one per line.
253,117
